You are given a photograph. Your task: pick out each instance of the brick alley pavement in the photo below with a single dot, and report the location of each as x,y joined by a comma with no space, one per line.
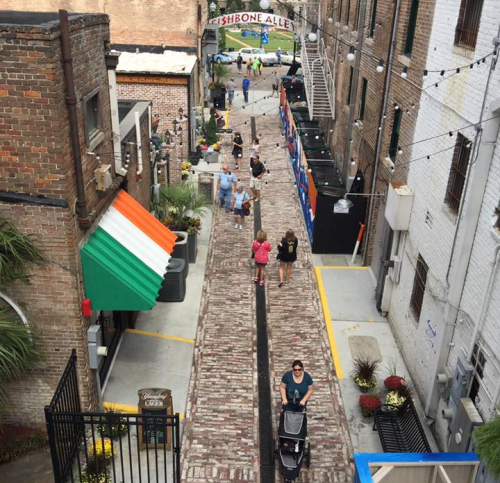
220,440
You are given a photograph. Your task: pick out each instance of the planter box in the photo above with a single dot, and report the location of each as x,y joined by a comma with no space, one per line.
181,248
193,248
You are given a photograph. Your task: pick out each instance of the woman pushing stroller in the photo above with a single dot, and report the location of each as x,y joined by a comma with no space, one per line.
296,388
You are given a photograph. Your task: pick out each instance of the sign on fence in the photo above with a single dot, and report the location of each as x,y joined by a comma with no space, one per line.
154,431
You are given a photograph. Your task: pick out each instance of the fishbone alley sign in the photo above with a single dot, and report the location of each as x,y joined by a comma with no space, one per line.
254,17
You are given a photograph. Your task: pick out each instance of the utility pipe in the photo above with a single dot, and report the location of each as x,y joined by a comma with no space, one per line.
81,203
354,90
380,133
139,143
149,121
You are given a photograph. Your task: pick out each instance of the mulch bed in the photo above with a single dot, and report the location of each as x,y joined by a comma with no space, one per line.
16,441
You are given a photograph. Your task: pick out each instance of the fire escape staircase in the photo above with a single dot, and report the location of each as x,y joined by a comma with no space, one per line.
318,79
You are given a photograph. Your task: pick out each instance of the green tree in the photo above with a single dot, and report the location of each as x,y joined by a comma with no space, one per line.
254,6
487,439
234,6
211,135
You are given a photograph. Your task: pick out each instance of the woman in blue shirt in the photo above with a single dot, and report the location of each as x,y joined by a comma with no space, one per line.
239,197
296,388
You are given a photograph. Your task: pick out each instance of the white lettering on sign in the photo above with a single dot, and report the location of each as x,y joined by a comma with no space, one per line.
254,17
153,403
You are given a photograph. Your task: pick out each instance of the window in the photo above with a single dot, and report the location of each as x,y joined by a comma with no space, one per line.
348,12
364,88
92,118
349,94
468,23
417,294
458,172
396,126
340,11
356,20
478,361
371,33
410,33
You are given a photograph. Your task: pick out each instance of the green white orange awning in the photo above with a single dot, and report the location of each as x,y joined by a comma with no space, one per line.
126,257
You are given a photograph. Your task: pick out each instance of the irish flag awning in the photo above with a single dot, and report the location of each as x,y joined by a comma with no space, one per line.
126,257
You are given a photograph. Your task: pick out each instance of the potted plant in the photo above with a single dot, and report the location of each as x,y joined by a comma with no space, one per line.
396,398
185,169
393,383
486,438
114,426
218,87
364,372
369,403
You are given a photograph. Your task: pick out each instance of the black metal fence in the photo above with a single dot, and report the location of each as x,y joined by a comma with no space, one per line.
109,447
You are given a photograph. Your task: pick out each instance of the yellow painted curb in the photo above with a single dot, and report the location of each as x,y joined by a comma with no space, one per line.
343,268
128,408
328,323
160,336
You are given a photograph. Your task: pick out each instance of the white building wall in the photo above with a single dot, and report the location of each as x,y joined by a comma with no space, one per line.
454,104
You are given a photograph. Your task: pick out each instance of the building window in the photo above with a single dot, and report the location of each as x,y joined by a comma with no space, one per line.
348,12
478,360
417,294
349,94
396,126
364,88
356,20
371,33
92,117
412,23
458,173
468,23
340,12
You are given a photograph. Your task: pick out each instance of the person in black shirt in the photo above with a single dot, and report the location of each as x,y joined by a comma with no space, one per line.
287,254
258,171
237,149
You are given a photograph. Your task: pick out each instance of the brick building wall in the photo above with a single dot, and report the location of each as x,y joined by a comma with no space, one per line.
169,22
403,92
454,104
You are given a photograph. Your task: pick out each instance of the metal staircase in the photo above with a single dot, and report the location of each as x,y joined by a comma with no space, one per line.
318,79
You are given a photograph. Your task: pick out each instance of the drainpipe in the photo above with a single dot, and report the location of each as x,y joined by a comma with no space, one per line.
380,134
111,63
139,143
149,121
81,204
459,272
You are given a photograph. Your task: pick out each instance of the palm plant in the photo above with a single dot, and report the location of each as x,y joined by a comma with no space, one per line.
18,253
487,437
221,74
17,351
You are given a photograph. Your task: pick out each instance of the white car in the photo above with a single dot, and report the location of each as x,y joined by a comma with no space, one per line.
287,57
252,53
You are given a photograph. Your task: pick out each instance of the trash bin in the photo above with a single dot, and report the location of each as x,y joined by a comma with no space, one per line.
173,287
211,156
181,249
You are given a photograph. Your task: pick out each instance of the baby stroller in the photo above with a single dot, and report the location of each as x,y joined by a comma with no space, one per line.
292,448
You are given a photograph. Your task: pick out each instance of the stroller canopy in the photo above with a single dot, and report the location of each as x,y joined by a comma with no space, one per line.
293,425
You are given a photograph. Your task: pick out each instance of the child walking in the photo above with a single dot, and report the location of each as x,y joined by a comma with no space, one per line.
261,249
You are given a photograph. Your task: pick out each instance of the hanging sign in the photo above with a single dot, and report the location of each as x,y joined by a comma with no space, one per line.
254,17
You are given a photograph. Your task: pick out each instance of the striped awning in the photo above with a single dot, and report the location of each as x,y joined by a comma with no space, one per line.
126,257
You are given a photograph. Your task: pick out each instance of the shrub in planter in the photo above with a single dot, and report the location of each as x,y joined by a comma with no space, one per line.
114,426
364,373
369,403
394,383
95,472
102,449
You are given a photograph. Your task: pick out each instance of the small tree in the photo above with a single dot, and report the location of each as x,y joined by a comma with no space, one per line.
211,135
487,439
234,6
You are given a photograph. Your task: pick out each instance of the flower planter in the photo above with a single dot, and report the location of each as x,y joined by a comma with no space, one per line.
394,383
192,247
369,404
181,248
365,386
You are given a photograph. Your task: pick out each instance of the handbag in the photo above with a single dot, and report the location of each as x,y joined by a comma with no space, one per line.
245,206
253,253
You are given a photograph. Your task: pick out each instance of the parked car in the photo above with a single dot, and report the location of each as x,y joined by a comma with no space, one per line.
287,57
251,53
223,58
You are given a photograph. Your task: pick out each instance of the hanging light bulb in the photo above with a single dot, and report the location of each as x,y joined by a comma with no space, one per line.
400,150
380,66
353,162
264,4
330,20
426,74
404,74
396,106
316,137
312,34
351,55
458,70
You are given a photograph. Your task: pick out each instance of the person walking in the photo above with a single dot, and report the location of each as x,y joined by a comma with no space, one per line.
245,86
276,84
240,201
255,68
258,171
278,55
239,62
237,149
287,254
260,250
255,150
226,183
249,67
261,66
296,388
230,91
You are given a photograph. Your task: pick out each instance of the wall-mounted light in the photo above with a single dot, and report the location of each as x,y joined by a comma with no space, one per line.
380,66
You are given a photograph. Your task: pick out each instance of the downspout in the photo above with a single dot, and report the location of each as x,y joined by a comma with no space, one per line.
190,127
380,133
139,143
150,129
81,203
111,63
486,140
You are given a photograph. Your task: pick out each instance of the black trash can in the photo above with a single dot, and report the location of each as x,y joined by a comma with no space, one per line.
173,287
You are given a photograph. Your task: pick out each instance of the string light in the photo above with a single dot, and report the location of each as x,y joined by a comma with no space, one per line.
350,55
380,66
404,74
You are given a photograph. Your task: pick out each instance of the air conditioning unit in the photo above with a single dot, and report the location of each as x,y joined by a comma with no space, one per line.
395,270
398,208
466,419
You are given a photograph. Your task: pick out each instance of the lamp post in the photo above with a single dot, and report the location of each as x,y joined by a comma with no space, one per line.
295,40
213,8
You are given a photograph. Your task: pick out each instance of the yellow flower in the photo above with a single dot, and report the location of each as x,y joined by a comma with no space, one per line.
102,446
394,398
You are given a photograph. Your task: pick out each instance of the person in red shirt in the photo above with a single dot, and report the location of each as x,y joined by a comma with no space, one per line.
260,250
